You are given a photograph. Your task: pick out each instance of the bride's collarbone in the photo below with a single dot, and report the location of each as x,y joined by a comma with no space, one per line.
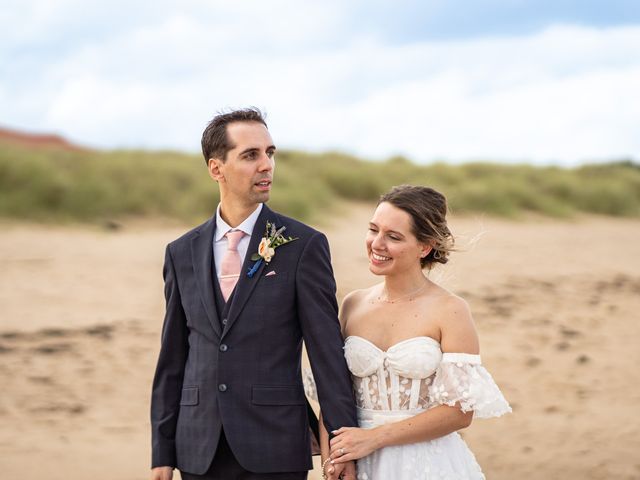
412,312
385,324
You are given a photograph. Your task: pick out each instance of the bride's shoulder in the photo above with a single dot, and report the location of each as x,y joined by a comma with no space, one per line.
356,297
456,324
450,308
451,304
353,301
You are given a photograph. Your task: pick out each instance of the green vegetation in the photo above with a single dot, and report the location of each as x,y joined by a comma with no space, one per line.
58,185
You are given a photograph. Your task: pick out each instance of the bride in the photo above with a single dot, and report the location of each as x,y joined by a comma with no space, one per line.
413,353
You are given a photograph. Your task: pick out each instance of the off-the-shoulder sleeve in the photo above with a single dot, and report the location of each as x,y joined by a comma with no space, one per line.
309,384
461,378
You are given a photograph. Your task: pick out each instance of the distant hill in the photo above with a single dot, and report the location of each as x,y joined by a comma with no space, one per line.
38,140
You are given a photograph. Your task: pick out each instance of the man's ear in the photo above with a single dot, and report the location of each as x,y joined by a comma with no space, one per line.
215,170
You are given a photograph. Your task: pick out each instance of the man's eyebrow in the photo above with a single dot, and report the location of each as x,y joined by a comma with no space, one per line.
256,149
250,149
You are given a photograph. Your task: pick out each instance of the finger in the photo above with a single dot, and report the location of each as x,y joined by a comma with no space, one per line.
338,453
340,430
336,471
335,441
338,448
347,457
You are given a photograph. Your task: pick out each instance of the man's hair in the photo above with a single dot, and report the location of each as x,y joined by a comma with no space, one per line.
215,141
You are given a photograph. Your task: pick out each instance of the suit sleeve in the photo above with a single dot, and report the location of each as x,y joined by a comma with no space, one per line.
167,382
318,313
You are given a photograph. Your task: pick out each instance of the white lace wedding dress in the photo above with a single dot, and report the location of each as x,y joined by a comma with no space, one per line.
409,378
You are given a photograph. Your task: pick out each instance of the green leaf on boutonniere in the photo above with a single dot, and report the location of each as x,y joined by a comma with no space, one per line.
255,257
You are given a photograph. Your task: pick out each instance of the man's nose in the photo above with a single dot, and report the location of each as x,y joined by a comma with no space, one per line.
266,163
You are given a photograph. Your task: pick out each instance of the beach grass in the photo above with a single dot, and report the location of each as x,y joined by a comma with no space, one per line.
58,185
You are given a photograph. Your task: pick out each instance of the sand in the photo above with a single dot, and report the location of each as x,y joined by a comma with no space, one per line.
556,305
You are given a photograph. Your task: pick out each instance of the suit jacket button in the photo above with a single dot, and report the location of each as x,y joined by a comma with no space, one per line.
224,321
223,348
222,387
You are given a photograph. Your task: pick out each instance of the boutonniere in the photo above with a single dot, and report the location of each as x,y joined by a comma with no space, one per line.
271,240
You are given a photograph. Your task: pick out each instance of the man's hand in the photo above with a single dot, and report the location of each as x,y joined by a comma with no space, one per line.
163,473
349,470
344,471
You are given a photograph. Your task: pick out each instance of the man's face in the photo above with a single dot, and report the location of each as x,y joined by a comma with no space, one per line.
246,175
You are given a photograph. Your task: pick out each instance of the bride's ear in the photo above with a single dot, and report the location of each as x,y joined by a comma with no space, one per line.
426,250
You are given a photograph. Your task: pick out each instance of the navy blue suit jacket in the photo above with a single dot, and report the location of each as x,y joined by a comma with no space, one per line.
244,375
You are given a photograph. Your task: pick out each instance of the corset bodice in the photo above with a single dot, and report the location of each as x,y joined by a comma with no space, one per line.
395,379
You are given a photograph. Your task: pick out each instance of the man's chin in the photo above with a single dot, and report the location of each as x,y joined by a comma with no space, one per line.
262,197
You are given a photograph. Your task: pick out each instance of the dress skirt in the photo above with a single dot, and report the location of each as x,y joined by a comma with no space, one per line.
444,458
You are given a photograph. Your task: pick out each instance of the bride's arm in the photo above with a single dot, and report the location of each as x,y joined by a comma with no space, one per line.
435,422
458,334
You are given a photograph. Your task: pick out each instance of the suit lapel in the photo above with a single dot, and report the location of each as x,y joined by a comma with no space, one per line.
202,258
246,284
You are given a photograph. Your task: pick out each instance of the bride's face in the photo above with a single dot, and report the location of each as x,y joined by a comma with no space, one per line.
392,247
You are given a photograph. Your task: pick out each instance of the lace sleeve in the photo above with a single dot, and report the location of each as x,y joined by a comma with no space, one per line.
461,378
309,384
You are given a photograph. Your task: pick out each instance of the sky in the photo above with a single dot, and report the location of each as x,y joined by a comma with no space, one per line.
545,82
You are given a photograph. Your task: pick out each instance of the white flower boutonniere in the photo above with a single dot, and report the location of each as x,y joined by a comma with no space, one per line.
271,240
265,251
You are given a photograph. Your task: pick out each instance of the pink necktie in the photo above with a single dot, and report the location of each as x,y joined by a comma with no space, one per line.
231,264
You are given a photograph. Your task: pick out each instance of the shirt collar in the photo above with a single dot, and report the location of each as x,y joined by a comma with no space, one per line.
246,226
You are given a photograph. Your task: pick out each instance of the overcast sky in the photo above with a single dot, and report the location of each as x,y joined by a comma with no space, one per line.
539,81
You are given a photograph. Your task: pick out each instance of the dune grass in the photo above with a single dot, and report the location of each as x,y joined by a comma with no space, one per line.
54,185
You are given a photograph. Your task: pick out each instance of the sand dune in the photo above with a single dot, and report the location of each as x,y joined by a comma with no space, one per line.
556,305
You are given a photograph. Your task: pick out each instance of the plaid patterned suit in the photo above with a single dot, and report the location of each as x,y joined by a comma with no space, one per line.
236,367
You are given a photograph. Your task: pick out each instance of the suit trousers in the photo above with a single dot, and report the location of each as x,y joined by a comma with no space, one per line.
225,467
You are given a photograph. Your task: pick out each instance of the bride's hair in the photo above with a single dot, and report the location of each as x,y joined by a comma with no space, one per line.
428,210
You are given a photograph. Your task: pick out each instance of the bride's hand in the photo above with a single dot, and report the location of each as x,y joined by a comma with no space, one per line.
351,443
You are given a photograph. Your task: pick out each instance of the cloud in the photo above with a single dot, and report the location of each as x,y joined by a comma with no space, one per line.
563,94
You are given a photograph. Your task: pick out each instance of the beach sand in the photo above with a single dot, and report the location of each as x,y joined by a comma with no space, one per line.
556,304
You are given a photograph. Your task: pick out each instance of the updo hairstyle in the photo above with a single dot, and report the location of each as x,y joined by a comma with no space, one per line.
428,209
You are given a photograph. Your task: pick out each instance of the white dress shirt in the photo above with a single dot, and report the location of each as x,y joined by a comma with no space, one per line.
220,241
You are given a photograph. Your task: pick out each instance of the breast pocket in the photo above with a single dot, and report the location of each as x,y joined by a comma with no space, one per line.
274,279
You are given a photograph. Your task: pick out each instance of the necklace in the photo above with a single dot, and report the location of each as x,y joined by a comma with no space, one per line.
402,297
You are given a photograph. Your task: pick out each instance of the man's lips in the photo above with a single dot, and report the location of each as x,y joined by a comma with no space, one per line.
264,184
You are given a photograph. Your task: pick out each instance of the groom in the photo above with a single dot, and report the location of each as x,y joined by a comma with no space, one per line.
228,400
